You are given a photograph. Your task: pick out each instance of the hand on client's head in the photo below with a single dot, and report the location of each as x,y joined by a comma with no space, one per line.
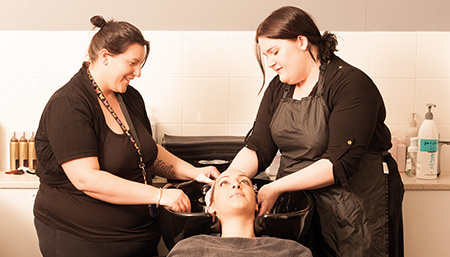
231,194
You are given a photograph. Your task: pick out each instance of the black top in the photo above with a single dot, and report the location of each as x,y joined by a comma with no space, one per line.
73,126
356,121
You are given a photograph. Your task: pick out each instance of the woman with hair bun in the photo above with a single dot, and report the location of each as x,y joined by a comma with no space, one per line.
97,157
326,118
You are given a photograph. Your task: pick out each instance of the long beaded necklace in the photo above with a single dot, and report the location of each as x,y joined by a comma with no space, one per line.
98,91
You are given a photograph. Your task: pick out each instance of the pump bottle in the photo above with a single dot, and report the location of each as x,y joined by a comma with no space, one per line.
427,154
411,131
14,152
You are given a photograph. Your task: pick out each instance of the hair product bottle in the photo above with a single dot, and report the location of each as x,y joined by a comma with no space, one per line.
14,152
32,160
23,151
411,158
427,154
411,131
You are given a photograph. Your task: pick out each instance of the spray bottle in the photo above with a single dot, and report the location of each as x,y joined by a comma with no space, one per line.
32,160
23,151
427,154
14,152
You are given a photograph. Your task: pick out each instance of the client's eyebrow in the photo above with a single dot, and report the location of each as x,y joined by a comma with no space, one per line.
227,176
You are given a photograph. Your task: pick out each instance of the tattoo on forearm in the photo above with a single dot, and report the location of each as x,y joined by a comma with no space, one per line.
160,168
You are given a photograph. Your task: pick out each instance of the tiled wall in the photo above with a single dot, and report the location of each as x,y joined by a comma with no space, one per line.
206,83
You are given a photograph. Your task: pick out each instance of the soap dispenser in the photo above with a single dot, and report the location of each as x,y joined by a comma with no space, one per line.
427,154
412,130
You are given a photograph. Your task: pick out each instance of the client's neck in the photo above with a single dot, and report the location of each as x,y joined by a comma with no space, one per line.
238,227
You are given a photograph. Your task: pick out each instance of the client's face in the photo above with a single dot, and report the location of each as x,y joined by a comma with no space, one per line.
233,194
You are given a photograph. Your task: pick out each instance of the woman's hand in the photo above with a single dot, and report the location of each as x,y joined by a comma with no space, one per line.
267,196
175,199
207,174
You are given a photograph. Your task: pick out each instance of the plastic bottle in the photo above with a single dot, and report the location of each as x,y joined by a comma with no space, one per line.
32,160
412,130
401,157
23,151
427,154
14,152
411,158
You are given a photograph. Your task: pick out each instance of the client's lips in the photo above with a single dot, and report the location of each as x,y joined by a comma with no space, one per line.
236,195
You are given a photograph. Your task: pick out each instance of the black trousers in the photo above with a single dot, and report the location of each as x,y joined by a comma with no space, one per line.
57,243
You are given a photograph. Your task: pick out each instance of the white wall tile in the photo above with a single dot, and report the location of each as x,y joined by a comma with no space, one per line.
51,84
205,100
393,54
169,129
399,99
244,99
240,130
22,53
163,98
435,91
433,54
206,54
21,101
354,48
166,54
205,130
205,83
243,61
64,52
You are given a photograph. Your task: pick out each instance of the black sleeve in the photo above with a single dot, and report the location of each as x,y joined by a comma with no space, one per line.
356,105
260,139
69,128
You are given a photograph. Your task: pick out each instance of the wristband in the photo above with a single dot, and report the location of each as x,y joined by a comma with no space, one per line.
159,197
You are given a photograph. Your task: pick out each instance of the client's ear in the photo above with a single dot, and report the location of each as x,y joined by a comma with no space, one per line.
212,209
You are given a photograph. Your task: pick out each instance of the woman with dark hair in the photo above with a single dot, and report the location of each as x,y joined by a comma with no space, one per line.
96,157
326,118
232,201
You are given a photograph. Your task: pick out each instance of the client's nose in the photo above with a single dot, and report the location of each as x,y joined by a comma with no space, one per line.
236,186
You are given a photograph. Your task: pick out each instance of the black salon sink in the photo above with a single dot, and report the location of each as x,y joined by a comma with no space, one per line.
290,217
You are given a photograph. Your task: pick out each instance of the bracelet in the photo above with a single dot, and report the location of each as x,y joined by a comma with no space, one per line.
159,197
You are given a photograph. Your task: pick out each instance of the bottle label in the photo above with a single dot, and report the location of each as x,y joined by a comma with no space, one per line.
428,145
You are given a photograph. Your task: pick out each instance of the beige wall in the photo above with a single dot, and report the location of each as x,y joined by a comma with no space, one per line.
228,15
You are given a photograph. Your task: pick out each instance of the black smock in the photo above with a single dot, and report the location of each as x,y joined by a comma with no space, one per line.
352,217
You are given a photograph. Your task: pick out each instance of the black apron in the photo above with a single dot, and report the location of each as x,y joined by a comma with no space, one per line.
347,221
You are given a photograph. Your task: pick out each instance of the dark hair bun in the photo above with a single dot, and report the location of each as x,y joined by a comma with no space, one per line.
98,21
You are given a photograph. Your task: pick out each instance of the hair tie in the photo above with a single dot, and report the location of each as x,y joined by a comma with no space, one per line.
102,24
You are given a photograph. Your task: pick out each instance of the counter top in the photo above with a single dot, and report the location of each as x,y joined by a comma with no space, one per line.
30,181
442,183
24,181
411,183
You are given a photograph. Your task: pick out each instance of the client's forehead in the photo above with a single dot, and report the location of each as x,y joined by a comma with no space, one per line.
233,173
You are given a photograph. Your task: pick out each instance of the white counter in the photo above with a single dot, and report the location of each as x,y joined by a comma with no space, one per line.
29,181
